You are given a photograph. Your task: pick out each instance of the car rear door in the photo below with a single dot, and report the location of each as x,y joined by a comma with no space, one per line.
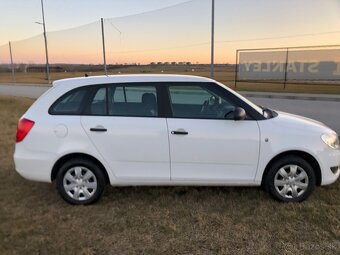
122,121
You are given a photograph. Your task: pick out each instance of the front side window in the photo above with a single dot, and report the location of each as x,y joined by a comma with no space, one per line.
70,103
133,100
197,101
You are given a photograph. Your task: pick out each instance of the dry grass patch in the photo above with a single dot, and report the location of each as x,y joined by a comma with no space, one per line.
157,220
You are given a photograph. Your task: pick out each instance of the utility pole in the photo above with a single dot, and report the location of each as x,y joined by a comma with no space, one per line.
103,39
212,38
46,51
12,65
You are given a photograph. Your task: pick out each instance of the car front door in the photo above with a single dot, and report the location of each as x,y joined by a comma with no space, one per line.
123,123
206,144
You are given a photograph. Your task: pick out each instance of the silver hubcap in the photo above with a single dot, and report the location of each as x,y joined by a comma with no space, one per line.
80,183
291,181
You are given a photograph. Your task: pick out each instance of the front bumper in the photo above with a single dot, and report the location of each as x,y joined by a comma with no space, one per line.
330,166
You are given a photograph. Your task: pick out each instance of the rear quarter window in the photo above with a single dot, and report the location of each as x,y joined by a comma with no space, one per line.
69,104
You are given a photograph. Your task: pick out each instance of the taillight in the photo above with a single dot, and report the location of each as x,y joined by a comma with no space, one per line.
24,126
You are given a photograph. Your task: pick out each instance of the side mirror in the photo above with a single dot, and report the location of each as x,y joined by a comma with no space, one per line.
239,113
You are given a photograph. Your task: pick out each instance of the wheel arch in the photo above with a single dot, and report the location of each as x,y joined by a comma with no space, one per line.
67,157
306,156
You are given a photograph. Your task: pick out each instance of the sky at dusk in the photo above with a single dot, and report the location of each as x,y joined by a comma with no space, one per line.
142,31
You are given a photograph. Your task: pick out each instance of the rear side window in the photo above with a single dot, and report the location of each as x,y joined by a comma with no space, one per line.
133,100
137,100
98,105
70,103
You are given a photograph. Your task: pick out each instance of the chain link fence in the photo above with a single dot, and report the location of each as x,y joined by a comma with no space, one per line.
174,39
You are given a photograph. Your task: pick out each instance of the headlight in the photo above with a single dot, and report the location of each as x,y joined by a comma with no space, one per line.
331,140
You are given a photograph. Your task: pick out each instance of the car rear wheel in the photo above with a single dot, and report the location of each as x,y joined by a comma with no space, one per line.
290,179
80,181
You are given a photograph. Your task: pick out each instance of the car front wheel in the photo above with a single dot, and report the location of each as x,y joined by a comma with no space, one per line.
290,179
80,181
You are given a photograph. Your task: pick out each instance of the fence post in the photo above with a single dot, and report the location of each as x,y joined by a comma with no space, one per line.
103,39
45,39
286,66
212,39
12,65
236,68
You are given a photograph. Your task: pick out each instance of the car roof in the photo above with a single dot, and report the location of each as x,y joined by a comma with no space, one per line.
93,80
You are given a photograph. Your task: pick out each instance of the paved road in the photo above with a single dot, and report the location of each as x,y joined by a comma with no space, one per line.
30,91
326,111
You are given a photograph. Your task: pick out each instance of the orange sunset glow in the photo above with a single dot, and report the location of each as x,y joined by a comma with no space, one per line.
182,33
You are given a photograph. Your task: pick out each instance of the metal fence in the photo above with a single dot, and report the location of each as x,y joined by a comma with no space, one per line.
164,40
168,40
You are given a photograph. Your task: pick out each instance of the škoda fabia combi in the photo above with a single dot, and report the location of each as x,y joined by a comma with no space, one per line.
84,133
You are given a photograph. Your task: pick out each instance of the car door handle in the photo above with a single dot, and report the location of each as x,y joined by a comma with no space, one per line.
98,129
179,132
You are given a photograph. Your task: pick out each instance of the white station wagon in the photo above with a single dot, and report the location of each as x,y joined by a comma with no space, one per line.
84,133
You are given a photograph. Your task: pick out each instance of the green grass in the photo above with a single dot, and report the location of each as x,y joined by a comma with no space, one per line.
157,220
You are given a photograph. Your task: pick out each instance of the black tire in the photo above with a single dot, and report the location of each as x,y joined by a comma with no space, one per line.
87,164
285,162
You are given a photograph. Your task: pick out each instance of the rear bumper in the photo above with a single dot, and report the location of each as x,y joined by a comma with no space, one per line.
33,165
